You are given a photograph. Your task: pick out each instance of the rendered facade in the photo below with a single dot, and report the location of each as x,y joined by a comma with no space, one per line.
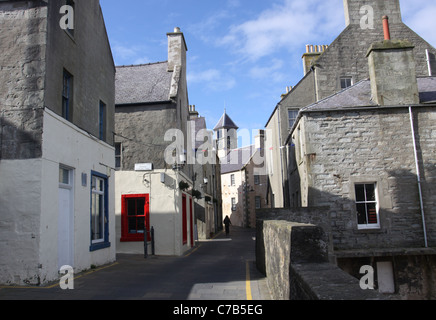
57,154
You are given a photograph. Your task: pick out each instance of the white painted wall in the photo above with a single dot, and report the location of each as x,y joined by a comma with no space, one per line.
165,210
29,204
64,143
20,207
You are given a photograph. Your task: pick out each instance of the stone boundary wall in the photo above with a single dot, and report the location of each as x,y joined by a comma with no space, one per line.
294,258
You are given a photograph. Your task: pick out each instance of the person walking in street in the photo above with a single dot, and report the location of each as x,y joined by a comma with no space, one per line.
227,223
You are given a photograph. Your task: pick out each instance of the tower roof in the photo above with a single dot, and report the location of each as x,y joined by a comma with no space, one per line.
225,123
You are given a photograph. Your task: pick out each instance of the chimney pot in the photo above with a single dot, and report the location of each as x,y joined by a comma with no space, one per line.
176,29
386,30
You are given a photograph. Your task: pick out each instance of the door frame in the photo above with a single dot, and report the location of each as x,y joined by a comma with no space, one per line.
66,217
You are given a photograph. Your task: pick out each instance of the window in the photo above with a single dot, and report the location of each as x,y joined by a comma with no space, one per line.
67,91
99,212
64,176
135,218
233,204
232,179
366,206
256,179
292,116
102,121
346,82
258,202
229,143
118,155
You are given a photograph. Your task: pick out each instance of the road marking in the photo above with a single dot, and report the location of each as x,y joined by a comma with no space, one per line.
248,281
210,240
192,251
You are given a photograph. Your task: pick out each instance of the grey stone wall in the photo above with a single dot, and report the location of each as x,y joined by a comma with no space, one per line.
35,50
87,56
293,256
141,130
357,146
380,8
22,82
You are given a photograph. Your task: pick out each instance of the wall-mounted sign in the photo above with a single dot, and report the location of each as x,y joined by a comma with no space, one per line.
143,166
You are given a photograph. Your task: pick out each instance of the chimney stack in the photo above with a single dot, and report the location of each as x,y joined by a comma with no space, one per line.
312,54
392,71
193,114
176,50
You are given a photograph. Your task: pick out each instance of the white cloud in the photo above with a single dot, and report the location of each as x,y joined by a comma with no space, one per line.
420,15
213,79
273,71
291,24
129,54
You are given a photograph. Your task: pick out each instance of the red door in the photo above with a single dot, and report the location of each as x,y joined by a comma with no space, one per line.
192,224
184,220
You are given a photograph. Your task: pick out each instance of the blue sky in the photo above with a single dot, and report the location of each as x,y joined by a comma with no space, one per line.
242,54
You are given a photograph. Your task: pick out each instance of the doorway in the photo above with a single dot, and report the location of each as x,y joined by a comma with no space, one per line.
66,218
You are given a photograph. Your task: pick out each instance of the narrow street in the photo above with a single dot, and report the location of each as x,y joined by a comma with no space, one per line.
222,268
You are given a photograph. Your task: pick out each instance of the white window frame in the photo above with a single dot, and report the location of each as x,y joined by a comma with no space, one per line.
101,215
345,78
294,113
368,226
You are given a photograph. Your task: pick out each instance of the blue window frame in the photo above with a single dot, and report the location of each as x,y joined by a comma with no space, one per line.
99,212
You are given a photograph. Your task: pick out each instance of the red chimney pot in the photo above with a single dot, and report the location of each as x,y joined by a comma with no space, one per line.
387,32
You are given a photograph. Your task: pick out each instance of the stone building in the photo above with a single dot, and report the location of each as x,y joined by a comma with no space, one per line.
368,154
153,181
243,178
206,179
57,118
330,69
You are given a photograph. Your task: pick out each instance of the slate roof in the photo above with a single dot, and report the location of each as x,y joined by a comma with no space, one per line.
143,83
225,123
237,159
359,95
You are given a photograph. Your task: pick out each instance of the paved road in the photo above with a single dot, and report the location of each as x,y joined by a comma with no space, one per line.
219,269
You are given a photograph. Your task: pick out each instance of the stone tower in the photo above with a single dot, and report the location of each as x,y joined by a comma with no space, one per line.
227,137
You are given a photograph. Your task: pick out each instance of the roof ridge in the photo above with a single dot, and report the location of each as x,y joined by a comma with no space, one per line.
142,64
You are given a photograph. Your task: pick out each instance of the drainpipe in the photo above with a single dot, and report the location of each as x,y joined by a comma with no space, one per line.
430,73
418,174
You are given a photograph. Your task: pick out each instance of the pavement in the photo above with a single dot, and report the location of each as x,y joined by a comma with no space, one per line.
222,268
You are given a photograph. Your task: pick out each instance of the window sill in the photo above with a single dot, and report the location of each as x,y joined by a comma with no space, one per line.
369,229
99,246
